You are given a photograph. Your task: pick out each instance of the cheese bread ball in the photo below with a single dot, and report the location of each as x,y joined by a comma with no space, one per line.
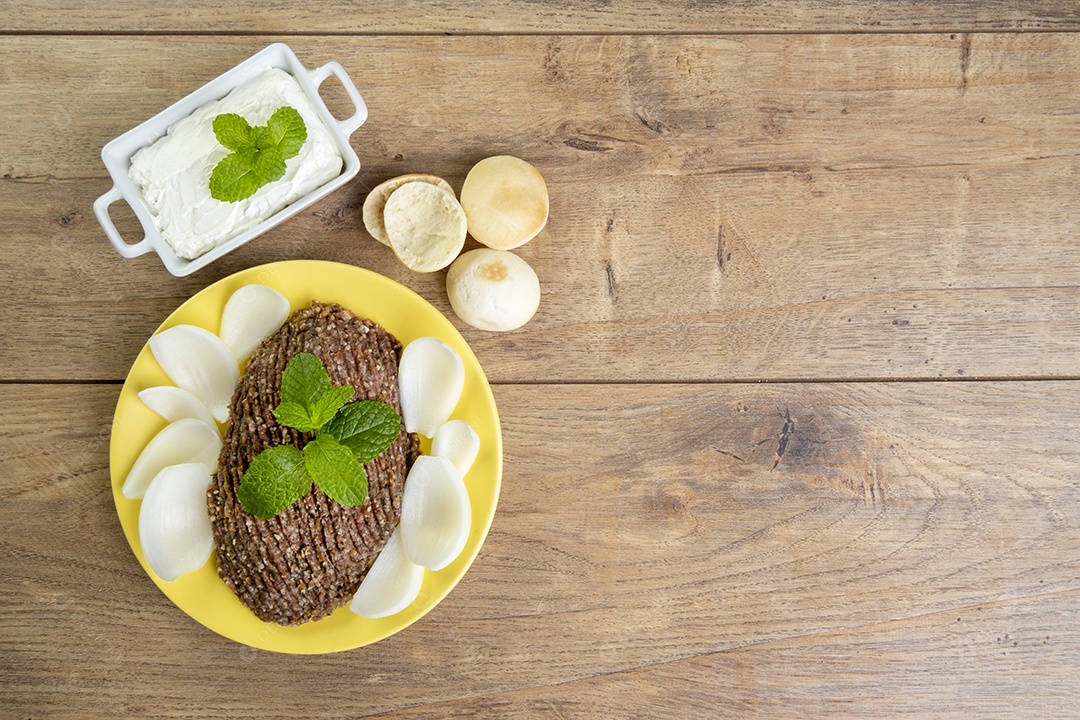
376,201
506,202
493,289
426,226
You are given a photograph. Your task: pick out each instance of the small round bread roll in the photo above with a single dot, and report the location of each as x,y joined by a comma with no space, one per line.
493,289
506,201
426,226
376,201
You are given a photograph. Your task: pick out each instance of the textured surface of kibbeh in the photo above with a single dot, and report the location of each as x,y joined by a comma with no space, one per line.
308,561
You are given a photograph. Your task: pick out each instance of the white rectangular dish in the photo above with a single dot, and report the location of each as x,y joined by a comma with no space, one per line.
117,155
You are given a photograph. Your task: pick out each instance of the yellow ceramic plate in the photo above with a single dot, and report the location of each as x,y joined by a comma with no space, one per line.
203,595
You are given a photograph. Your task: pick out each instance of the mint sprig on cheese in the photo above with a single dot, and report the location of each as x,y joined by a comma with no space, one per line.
258,153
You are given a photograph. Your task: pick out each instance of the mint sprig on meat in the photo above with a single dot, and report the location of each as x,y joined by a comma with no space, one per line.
346,435
258,153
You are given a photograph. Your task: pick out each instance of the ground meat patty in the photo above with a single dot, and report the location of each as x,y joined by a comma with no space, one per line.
309,560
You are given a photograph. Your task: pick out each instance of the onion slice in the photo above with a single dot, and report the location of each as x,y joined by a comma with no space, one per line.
174,525
456,441
431,376
392,583
435,513
173,403
252,313
199,362
185,441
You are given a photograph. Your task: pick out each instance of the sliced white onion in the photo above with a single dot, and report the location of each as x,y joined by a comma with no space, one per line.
173,403
431,376
199,362
174,524
435,513
456,441
392,583
184,441
252,313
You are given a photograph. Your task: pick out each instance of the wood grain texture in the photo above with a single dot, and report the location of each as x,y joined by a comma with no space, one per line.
864,672
851,550
874,195
548,16
723,208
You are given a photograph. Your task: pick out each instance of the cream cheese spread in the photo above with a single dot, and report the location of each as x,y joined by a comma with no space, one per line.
174,171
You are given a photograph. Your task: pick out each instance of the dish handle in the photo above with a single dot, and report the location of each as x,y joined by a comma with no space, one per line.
319,75
101,210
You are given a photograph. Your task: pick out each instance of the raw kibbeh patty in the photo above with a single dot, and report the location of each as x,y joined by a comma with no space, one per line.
308,561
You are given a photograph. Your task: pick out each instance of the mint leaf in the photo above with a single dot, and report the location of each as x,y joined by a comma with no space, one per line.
234,178
304,381
274,480
296,416
268,165
367,428
259,153
324,409
233,131
285,130
307,399
336,471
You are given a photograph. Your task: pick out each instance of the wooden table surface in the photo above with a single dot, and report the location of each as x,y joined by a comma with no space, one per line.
793,434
